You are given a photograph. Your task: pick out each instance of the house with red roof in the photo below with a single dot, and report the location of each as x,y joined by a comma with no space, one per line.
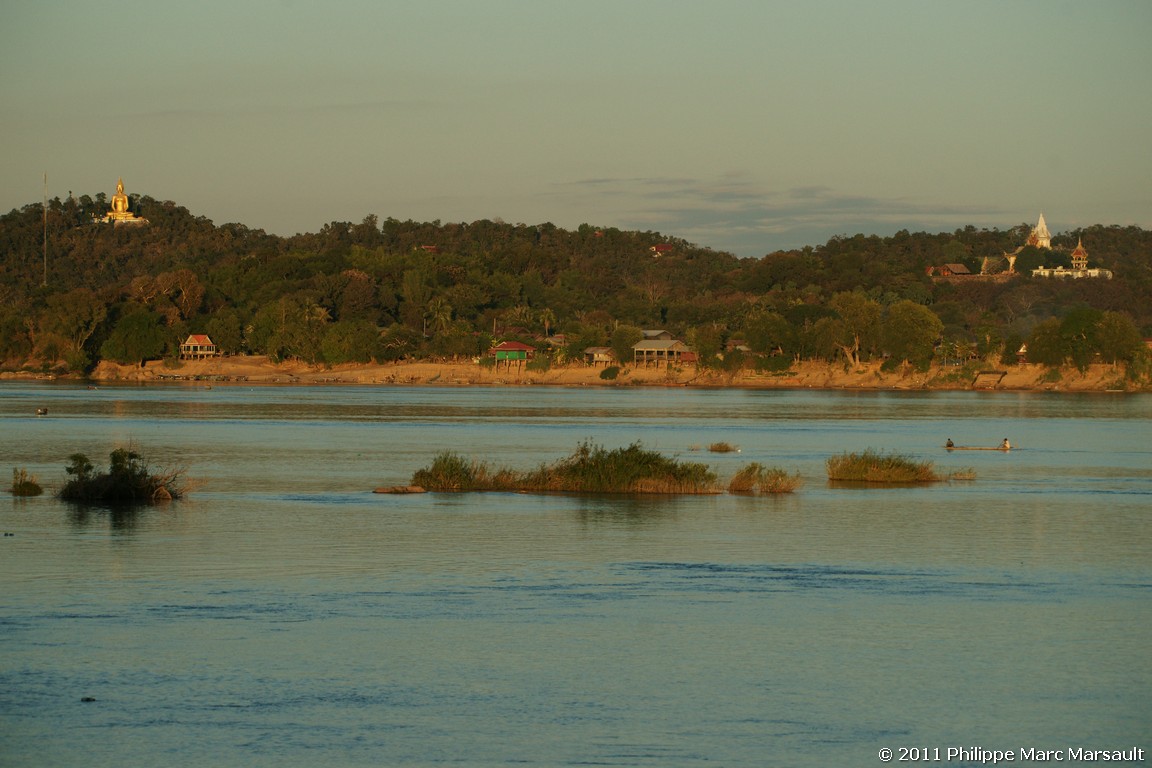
197,347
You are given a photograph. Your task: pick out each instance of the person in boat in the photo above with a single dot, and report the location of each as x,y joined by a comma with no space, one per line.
949,444
1007,446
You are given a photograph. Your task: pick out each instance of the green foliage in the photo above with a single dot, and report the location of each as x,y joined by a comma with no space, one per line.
610,373
623,339
24,484
538,364
769,333
591,469
910,333
756,478
448,282
349,341
873,467
129,480
1084,336
774,363
137,336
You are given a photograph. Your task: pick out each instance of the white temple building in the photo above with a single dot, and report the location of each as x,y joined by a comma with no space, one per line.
1079,265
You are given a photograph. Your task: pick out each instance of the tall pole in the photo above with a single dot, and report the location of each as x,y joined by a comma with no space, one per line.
45,283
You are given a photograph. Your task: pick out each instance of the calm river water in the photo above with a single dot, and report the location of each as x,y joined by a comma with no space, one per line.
283,615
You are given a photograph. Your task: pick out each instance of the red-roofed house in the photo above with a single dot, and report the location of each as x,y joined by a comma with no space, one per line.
197,346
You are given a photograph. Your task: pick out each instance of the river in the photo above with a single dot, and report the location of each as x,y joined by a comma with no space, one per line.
284,615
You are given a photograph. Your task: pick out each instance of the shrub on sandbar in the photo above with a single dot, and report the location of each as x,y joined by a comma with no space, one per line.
24,484
873,467
129,480
756,478
591,469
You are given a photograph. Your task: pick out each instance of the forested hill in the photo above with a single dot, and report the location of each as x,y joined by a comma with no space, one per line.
391,289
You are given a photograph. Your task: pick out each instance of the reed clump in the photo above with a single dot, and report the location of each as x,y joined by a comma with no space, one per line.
24,484
874,467
590,469
756,478
723,447
129,480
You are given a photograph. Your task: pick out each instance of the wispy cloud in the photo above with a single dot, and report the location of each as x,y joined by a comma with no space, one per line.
751,219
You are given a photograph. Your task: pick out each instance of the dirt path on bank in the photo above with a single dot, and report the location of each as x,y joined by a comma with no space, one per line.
259,370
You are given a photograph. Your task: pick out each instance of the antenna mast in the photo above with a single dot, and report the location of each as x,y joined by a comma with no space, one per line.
45,283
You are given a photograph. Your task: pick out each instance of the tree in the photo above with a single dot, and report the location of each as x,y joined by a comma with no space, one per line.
1078,333
1046,345
73,317
439,313
349,341
547,319
1118,338
415,292
768,332
623,339
708,343
860,325
910,333
137,336
226,331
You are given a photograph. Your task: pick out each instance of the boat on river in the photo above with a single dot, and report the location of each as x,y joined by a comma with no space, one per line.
977,448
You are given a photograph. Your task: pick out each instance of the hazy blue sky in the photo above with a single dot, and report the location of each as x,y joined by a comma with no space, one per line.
745,125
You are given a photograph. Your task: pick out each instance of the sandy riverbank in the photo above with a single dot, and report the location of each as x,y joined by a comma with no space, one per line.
259,370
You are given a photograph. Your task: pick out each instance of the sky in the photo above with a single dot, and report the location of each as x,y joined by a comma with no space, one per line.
740,125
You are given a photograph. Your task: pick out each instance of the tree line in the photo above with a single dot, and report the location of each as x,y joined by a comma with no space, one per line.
391,290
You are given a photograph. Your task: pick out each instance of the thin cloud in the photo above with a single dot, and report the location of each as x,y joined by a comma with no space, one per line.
750,219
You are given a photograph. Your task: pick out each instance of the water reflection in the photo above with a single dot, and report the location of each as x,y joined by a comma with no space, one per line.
120,520
625,510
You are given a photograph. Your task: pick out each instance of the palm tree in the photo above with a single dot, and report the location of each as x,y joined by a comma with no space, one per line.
440,313
547,319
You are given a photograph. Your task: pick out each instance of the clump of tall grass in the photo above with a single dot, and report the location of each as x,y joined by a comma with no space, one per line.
723,448
874,467
756,478
129,480
24,484
590,469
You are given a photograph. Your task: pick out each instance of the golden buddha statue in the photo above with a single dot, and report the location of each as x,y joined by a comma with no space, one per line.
120,200
120,213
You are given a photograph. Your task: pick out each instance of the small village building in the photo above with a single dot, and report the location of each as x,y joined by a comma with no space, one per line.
657,335
197,347
512,351
949,270
659,352
599,356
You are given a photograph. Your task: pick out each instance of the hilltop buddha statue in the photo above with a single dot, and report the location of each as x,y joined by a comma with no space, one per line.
120,200
120,213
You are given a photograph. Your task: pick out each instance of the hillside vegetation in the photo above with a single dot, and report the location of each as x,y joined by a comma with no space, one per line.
390,290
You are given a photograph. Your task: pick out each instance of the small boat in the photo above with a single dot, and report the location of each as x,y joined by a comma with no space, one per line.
41,411
976,448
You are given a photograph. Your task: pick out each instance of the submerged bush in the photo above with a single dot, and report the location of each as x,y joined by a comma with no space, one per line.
591,469
873,467
723,448
24,484
756,478
129,480
451,472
